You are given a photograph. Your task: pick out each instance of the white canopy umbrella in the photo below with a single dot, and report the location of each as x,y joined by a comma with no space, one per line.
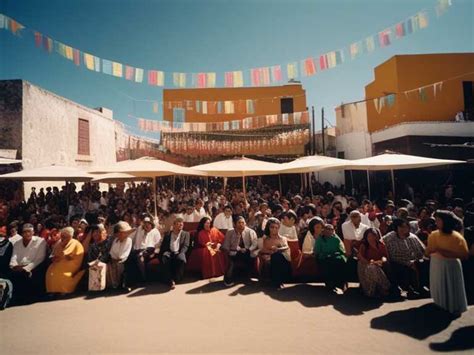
239,167
394,161
50,173
312,163
6,161
113,178
147,167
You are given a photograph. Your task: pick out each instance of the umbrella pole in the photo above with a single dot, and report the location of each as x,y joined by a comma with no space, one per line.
393,183
67,198
301,183
245,191
174,183
279,183
368,183
155,197
311,185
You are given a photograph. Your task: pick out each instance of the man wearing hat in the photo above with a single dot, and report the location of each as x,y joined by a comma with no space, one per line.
27,267
146,244
119,253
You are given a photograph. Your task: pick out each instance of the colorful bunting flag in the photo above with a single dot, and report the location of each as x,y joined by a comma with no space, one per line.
323,62
106,66
309,67
179,80
276,73
400,30
370,44
38,39
139,75
292,70
89,61
77,56
129,72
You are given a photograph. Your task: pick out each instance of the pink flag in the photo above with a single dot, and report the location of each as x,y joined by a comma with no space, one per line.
229,79
201,80
323,62
255,75
129,73
276,73
38,39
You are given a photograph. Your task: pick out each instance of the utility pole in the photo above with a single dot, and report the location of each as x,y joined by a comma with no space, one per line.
322,131
312,147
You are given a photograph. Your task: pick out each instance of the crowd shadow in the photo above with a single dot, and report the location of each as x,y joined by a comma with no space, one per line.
461,339
351,303
418,322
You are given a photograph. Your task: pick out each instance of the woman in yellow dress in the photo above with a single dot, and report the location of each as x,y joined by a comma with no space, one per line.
64,273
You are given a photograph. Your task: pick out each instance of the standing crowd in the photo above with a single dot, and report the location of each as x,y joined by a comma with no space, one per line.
58,242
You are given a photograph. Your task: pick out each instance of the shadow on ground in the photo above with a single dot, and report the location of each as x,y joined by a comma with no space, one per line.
419,322
461,339
350,304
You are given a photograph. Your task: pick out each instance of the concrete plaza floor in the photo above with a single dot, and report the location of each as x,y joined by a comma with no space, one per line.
206,317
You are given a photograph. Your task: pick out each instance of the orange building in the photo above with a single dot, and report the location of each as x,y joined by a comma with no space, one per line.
218,122
402,73
269,100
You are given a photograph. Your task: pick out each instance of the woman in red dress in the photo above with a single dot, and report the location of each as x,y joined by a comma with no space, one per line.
207,249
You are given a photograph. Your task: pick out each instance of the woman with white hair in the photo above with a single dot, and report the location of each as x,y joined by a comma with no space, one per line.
65,272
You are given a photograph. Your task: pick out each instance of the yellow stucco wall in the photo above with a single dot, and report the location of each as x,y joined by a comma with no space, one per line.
407,72
268,101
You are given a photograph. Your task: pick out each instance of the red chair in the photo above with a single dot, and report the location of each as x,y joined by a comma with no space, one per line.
190,226
295,254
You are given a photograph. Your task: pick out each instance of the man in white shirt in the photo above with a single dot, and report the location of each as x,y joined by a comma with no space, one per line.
224,219
353,232
191,215
27,267
287,226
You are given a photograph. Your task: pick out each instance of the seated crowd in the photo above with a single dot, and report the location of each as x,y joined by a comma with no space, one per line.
60,242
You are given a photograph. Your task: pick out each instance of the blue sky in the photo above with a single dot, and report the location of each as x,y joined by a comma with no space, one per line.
216,35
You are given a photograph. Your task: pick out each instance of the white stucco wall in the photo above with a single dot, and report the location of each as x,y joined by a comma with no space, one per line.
50,131
355,145
441,128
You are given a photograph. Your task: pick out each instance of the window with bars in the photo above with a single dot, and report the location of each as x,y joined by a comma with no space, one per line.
83,138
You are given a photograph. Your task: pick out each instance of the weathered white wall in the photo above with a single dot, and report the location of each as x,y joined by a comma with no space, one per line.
355,145
353,120
50,131
442,128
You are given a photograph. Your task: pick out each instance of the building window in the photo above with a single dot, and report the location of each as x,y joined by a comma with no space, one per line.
179,115
340,155
83,138
287,105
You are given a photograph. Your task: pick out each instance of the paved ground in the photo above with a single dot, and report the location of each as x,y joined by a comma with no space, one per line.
203,317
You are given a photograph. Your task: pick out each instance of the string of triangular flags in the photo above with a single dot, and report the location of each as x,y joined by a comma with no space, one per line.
260,76
421,93
249,123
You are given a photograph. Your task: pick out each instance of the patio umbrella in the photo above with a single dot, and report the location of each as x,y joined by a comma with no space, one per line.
313,163
112,178
147,167
50,173
239,167
393,161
